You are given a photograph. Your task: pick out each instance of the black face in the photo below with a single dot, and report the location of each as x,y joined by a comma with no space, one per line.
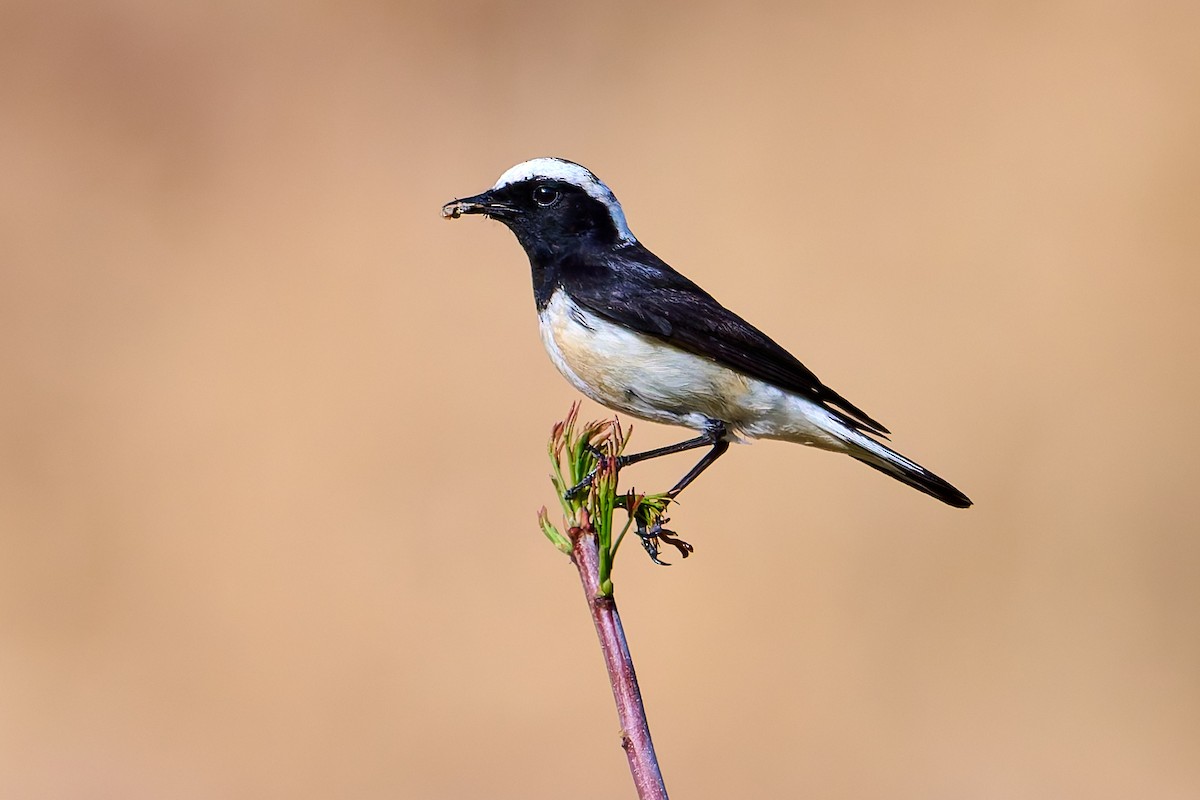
545,214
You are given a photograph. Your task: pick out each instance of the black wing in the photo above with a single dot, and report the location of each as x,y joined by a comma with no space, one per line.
635,288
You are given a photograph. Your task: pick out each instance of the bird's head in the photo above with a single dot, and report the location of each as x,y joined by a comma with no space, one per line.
549,202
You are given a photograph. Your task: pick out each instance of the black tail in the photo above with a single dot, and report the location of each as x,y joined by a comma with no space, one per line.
917,477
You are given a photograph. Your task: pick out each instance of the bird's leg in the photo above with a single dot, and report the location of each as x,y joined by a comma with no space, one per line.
712,437
718,449
712,434
573,492
654,532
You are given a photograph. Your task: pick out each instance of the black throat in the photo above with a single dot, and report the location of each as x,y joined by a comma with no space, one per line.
555,265
558,257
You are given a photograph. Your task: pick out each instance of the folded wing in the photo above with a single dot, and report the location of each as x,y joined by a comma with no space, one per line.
636,289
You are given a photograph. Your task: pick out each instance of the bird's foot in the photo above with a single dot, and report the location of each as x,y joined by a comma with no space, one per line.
654,533
577,489
601,461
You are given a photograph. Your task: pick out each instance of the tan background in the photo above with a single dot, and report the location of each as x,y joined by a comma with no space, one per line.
272,432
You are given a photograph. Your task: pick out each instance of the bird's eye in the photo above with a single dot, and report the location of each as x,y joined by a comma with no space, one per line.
545,196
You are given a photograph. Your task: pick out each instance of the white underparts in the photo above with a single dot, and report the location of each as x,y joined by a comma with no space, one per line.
642,376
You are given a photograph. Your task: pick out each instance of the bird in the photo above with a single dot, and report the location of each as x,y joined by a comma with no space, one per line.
633,334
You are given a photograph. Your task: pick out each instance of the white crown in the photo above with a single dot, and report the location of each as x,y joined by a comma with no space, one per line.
559,169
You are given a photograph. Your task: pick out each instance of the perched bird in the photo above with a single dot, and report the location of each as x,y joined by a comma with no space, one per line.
633,334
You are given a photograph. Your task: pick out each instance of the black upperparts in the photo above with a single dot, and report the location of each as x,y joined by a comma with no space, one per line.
631,286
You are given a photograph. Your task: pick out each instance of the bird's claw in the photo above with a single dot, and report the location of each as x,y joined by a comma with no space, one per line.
577,489
652,535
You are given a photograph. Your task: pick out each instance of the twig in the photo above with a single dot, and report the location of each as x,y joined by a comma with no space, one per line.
635,731
587,457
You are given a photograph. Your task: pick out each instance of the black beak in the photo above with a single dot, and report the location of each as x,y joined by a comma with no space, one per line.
479,204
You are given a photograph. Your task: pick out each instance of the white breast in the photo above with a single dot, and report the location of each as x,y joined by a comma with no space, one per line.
647,378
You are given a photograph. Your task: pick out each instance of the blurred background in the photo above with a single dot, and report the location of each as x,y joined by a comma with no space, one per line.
273,432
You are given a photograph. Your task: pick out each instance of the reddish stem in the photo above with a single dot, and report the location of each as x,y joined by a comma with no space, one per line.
635,731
